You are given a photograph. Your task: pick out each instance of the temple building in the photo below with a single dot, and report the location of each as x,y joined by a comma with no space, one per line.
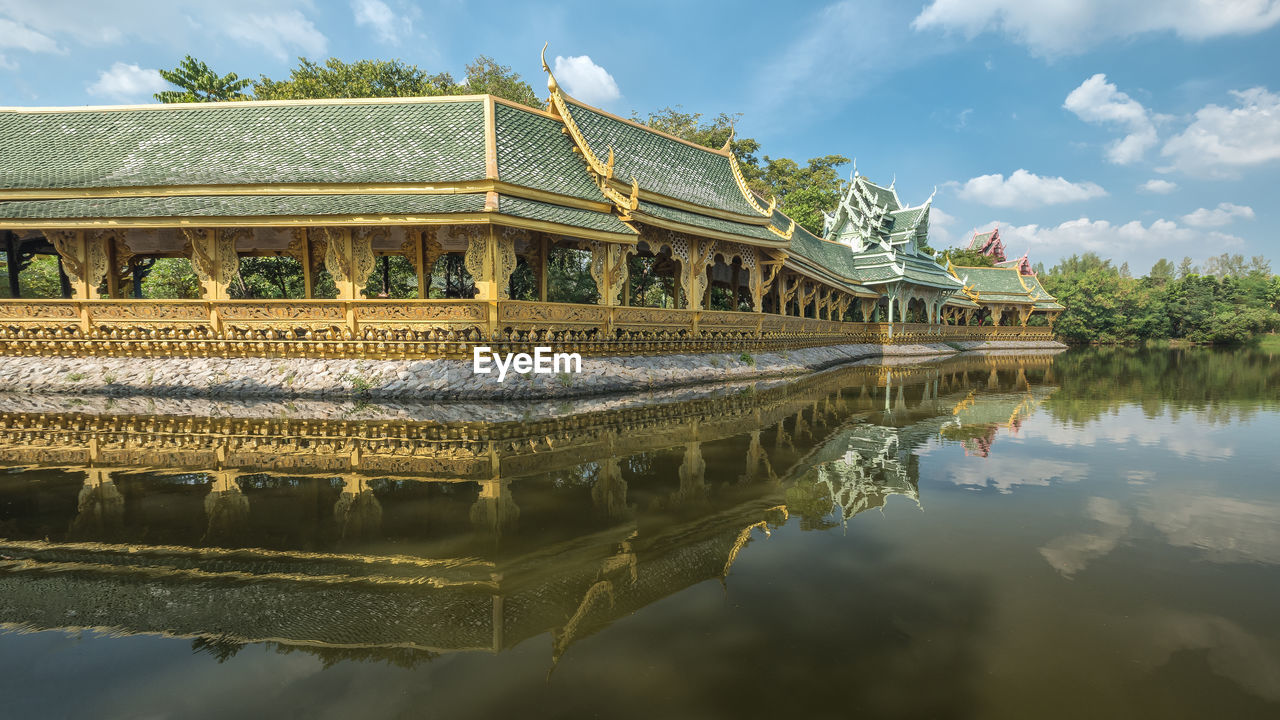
475,197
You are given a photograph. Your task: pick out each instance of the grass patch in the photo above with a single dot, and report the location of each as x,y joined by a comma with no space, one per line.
109,379
75,377
746,358
360,385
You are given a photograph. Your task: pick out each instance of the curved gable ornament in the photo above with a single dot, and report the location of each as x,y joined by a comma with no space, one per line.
601,172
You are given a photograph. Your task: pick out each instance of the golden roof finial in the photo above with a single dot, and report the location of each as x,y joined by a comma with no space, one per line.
634,200
551,79
728,143
608,165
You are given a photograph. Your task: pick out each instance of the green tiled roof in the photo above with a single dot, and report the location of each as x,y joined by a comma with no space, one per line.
904,220
1037,290
755,232
961,301
780,221
244,144
662,165
836,258
589,219
303,205
993,280
979,239
883,196
877,267
534,152
240,206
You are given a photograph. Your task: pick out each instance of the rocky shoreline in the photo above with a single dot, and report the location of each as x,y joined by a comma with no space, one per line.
436,380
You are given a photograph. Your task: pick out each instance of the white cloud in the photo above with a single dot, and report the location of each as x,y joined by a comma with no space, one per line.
1224,214
280,34
1098,101
1107,239
127,82
1066,27
379,16
586,80
1025,189
940,224
1221,140
20,37
1157,186
7,64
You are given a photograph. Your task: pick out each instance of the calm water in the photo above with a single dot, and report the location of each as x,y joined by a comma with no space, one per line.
1095,534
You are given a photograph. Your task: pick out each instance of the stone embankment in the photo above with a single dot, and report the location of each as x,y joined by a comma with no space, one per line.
439,379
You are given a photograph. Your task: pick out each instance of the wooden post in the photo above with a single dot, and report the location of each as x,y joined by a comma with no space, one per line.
11,252
734,281
544,252
420,265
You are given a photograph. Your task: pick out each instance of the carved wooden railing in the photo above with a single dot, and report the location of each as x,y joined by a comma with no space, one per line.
427,328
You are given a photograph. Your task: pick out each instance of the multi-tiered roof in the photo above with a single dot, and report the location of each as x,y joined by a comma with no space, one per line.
888,241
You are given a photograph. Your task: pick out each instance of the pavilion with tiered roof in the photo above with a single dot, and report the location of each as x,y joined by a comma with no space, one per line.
341,187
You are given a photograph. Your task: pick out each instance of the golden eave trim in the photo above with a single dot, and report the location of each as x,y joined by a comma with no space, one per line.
468,187
476,218
746,191
702,232
784,235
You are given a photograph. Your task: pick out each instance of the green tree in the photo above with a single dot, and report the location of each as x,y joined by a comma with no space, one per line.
486,76
965,258
311,80
363,78
171,279
1186,268
804,192
197,82
1162,272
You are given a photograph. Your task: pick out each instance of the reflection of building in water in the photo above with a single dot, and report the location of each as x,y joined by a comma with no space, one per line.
981,416
100,509
232,531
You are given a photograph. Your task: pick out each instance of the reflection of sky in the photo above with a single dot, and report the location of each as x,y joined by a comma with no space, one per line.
1181,435
1157,537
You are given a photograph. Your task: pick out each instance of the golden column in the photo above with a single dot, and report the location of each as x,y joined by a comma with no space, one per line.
84,262
609,270
490,258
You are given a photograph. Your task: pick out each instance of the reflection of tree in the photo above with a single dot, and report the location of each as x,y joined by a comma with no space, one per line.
221,647
330,656
1222,384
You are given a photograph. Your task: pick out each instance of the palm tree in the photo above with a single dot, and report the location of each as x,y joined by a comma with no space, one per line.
199,83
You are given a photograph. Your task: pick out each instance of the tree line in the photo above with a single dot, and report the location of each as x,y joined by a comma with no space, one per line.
1229,300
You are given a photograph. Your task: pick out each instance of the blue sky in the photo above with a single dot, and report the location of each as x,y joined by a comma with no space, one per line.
1138,129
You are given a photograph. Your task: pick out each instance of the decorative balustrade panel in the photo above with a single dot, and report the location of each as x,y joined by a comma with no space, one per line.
428,328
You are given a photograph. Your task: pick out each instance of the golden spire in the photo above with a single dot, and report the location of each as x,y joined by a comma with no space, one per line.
551,79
